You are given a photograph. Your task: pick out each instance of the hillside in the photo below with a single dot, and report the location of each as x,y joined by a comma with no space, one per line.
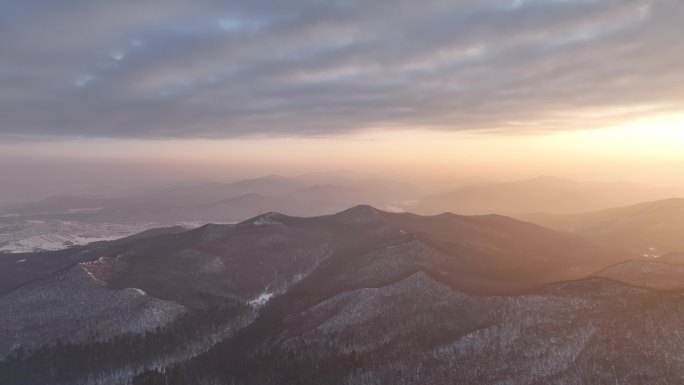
655,274
652,229
362,295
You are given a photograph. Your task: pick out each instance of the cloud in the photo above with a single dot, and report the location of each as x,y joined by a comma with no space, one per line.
169,68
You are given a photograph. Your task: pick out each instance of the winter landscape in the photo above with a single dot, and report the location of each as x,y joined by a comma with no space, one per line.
341,192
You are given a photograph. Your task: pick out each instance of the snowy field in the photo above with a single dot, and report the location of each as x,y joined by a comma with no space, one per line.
23,236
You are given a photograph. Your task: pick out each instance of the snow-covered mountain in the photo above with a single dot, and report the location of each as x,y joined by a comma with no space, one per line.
362,296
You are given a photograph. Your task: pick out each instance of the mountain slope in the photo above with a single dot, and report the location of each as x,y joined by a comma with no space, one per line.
74,306
653,228
418,331
361,296
20,269
273,251
652,274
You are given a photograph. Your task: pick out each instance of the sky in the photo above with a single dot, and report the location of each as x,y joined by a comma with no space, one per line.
589,89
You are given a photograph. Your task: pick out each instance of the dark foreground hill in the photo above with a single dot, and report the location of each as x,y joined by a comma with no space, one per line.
360,297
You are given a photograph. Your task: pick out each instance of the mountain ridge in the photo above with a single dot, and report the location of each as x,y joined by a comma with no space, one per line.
651,228
346,292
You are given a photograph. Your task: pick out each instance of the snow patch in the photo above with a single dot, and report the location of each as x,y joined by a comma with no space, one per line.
261,300
84,266
21,260
139,291
86,210
45,235
652,253
298,277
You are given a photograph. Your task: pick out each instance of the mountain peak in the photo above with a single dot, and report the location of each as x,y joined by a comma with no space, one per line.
270,218
360,214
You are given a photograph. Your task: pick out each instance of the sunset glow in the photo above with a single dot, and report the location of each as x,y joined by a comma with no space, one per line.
341,192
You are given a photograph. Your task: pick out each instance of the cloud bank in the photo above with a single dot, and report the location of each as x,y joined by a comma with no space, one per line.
209,68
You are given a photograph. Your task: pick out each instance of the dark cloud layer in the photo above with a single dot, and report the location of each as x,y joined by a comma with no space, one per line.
203,68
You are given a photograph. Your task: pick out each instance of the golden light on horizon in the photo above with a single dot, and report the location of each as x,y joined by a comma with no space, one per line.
630,150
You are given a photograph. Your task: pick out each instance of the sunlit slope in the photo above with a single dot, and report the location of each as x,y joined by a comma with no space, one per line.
651,229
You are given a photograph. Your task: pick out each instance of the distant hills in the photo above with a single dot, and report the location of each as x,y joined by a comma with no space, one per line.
651,229
327,193
49,223
540,195
312,194
655,274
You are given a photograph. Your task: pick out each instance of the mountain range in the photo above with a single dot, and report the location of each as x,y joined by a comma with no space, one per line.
652,229
363,296
312,194
327,193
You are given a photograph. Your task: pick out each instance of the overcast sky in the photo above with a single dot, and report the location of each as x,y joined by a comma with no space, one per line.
260,83
168,68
